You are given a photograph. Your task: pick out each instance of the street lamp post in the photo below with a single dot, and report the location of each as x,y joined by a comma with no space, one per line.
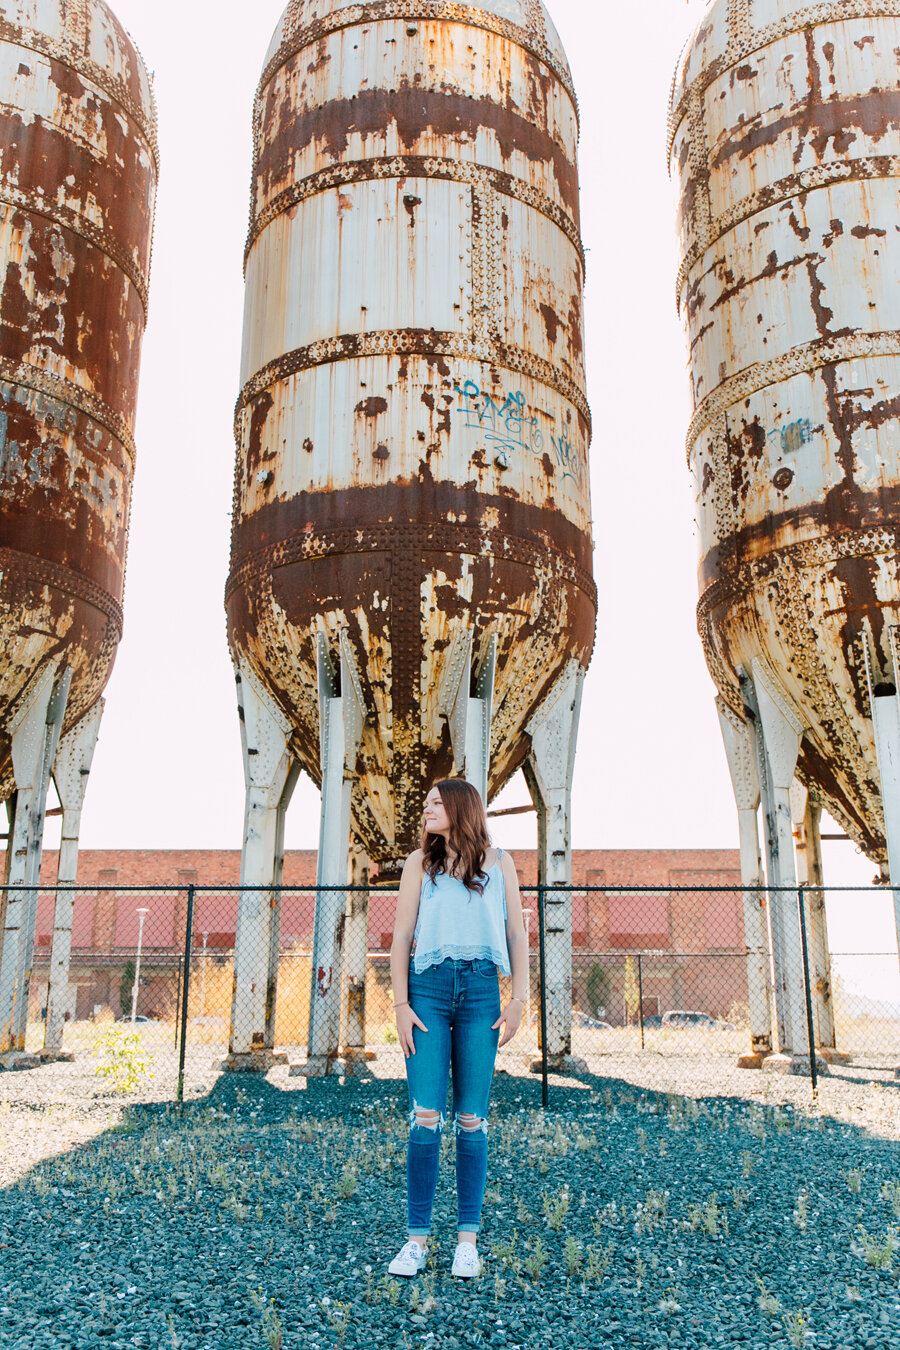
142,913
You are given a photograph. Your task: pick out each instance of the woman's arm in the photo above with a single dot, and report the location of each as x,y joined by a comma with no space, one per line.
401,945
518,953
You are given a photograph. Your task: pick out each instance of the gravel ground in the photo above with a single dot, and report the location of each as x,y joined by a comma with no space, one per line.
722,1208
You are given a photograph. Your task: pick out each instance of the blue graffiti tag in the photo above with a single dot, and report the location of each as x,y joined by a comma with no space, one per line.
510,427
794,436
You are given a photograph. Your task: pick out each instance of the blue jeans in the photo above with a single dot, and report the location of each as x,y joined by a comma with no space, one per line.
459,1001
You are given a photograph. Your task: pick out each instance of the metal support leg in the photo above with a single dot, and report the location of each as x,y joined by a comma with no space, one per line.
780,733
548,772
807,815
468,711
270,775
70,773
884,701
35,732
341,719
356,961
741,751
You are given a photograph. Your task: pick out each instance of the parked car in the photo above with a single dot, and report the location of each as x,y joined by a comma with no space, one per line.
680,1019
580,1019
138,1018
654,1020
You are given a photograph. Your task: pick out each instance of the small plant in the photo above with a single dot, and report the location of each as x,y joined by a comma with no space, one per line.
877,1252
767,1301
608,1217
173,1334
392,1290
796,1327
640,1269
748,1164
556,1208
337,1315
504,1249
572,1256
599,1260
801,1213
854,1180
757,1123
124,1063
708,1217
641,1139
348,1183
389,1034
535,1260
523,1213
499,1288
651,1213
668,1305
739,1196
272,1330
890,1192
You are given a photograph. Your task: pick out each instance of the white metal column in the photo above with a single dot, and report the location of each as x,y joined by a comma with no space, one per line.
779,743
270,775
884,701
356,961
807,815
548,772
468,714
35,731
70,773
741,753
341,720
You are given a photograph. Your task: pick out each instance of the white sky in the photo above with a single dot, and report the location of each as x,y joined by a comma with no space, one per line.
651,770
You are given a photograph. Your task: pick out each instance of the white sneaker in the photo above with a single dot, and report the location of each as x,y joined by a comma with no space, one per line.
409,1260
466,1262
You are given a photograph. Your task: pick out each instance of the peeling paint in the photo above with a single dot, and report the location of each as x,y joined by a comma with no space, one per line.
77,192
785,142
418,198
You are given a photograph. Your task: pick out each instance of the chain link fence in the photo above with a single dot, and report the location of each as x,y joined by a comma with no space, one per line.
626,981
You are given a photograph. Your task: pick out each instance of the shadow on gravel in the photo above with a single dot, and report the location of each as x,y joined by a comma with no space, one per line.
621,1217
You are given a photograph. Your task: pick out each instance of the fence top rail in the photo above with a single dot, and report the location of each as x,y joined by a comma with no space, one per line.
574,888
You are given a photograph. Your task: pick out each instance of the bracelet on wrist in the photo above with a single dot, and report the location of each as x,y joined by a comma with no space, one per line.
402,1005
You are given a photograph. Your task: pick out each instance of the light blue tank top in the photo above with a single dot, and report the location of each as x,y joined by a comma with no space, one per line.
460,924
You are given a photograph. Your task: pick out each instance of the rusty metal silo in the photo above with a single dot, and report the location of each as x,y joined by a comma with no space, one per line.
785,141
410,590
77,190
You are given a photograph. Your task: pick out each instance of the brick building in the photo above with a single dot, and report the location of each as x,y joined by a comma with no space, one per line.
690,943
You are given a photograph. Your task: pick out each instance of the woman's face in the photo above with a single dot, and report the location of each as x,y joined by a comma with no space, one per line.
436,821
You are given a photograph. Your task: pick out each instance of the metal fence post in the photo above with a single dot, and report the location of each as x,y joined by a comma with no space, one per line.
185,991
178,1001
641,996
542,956
814,1078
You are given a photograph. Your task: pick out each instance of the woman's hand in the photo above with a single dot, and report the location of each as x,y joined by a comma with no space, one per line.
512,1017
406,1020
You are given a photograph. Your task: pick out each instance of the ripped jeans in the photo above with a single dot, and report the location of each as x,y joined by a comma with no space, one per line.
459,1001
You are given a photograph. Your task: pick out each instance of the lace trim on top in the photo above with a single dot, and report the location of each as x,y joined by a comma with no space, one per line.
454,952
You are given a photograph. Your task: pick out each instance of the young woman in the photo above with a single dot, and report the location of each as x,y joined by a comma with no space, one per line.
459,903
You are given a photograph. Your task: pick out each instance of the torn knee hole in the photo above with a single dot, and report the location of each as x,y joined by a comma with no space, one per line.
426,1119
470,1124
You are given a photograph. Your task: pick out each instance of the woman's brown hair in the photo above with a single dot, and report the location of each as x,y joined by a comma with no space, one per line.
468,834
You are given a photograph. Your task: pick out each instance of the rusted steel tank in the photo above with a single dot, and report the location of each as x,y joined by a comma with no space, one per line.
785,140
77,190
412,432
